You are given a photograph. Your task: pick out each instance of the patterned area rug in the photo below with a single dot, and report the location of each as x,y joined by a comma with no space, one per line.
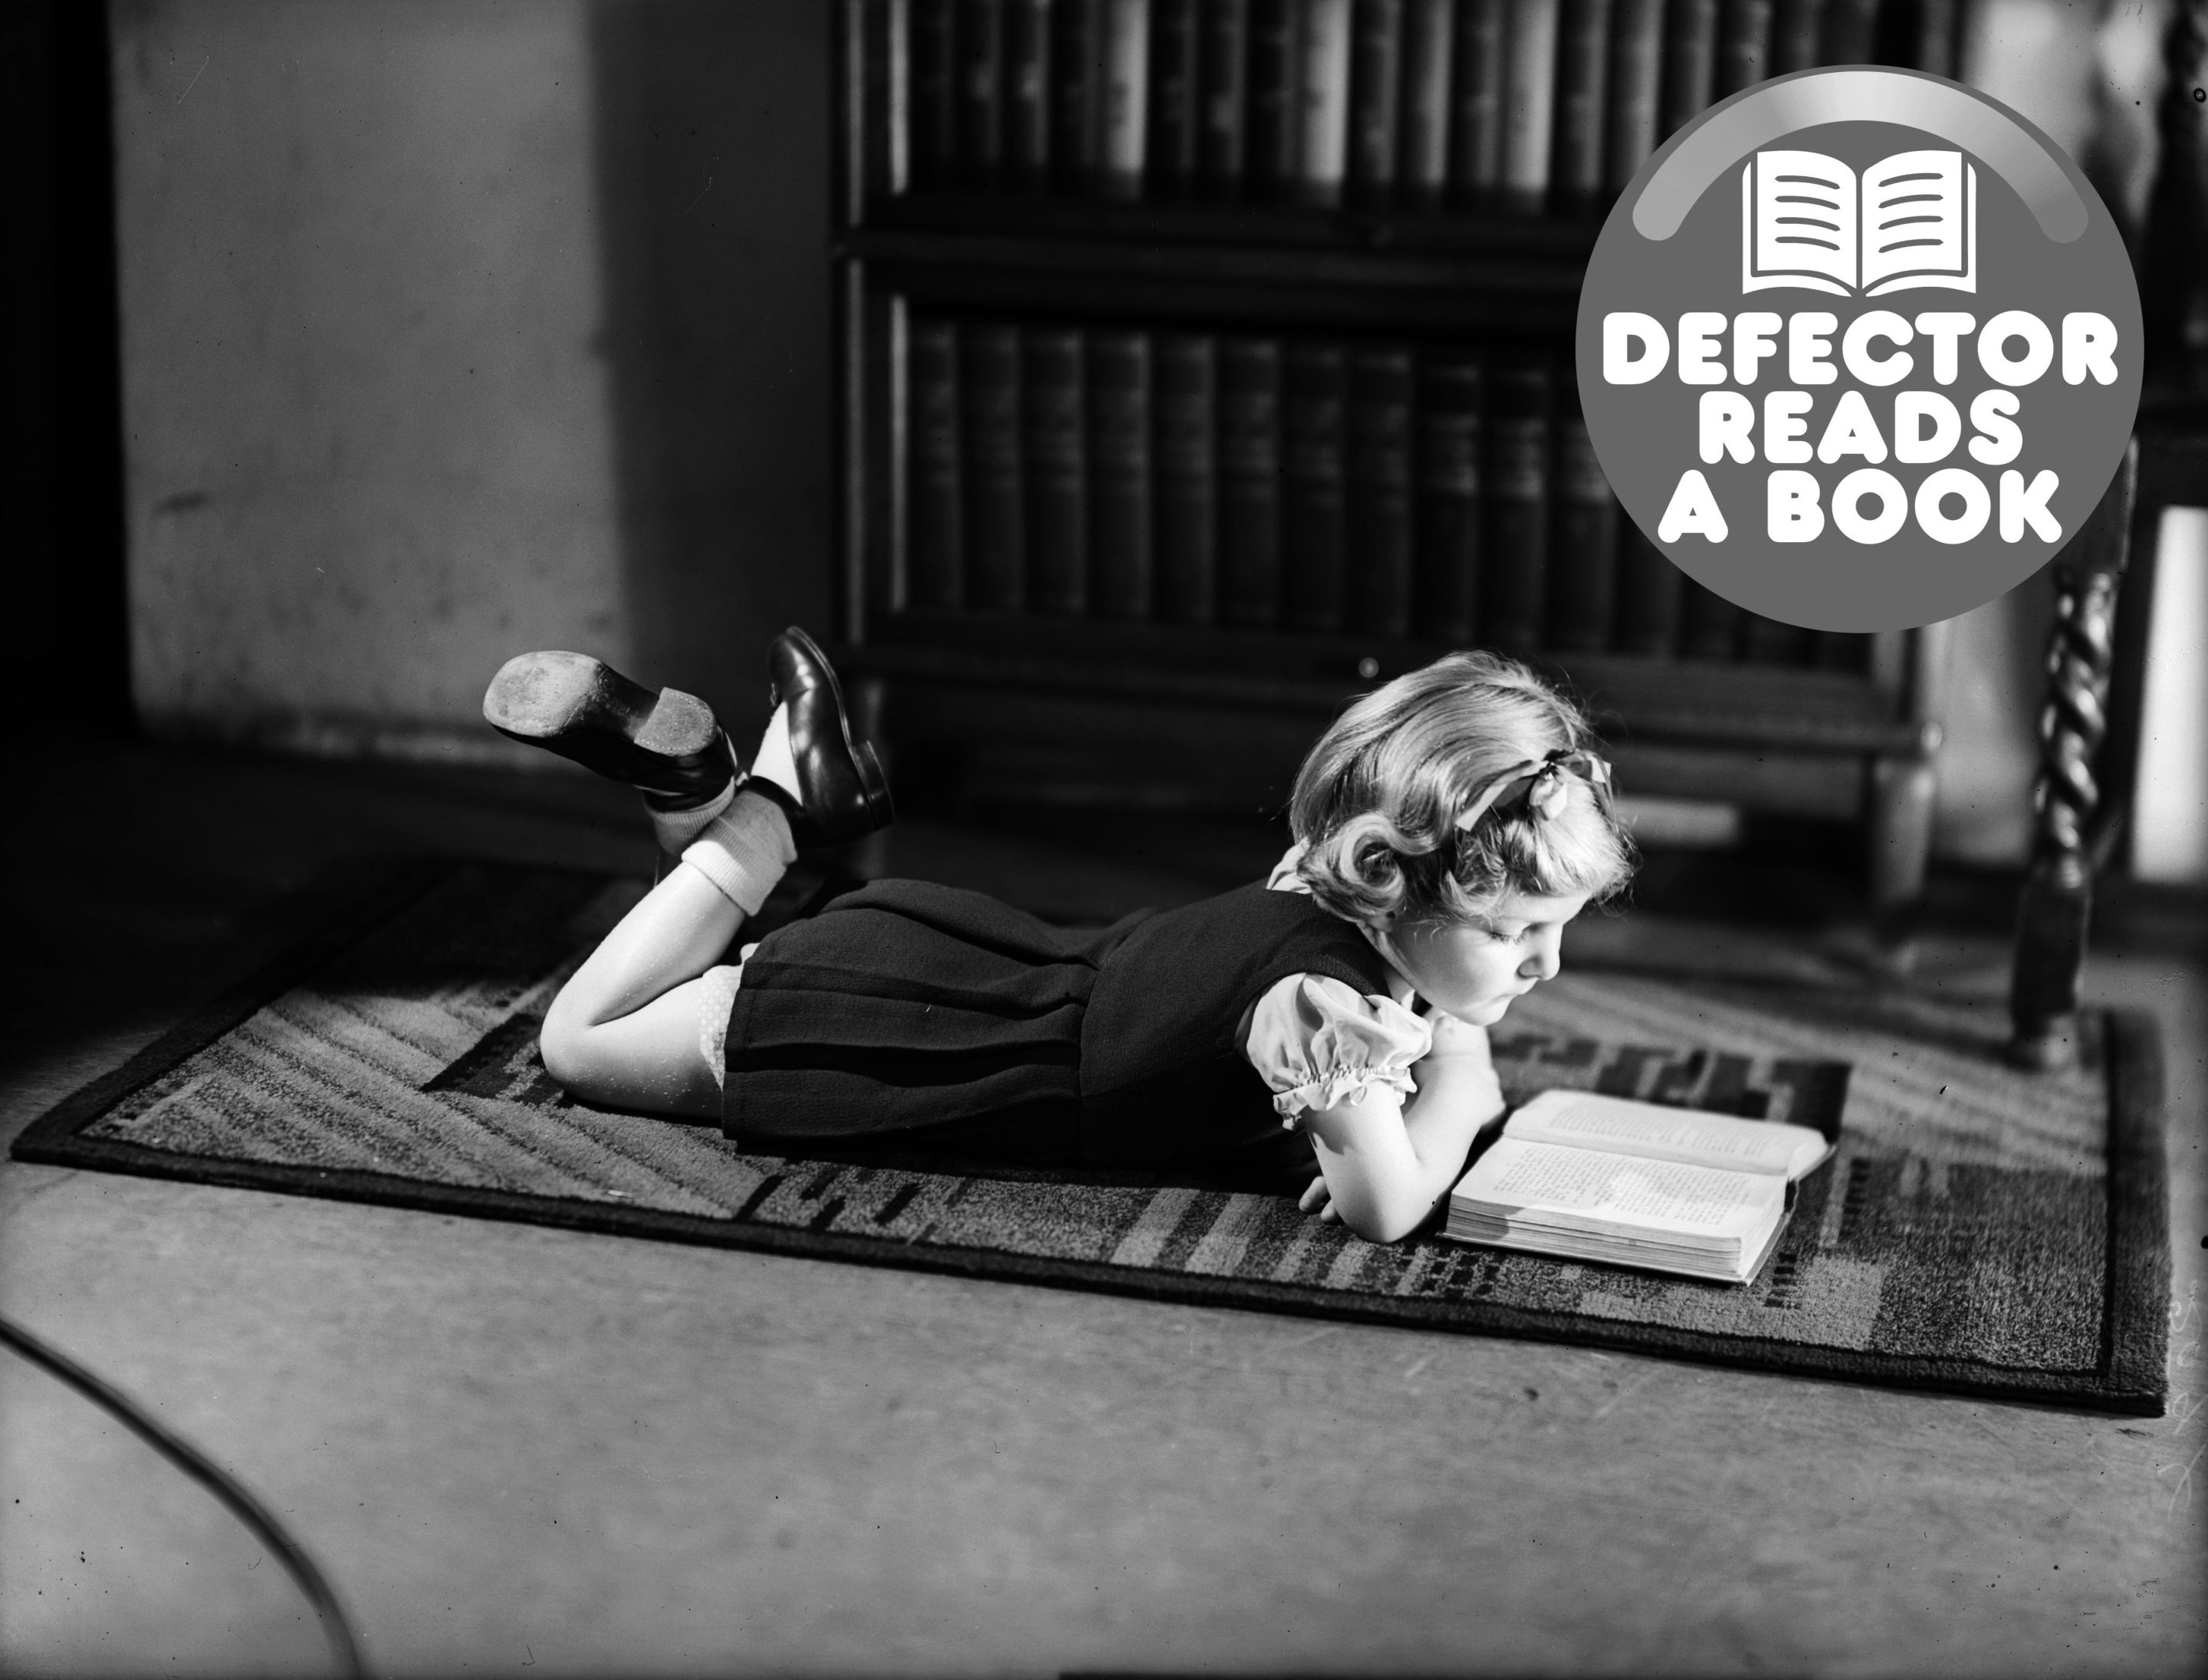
1980,1228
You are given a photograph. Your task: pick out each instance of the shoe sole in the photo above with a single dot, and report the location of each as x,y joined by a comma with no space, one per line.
881,811
583,709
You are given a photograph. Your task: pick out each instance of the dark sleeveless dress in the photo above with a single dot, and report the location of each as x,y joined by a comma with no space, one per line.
944,1020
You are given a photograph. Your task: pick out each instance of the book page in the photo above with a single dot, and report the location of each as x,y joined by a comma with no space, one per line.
1548,1185
1920,223
1620,1125
1797,213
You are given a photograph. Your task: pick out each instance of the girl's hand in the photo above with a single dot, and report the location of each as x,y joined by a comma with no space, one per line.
1316,1200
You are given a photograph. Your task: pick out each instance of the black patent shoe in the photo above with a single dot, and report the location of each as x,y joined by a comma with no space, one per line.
669,743
842,792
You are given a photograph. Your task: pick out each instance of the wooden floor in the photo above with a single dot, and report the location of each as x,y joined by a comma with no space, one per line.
519,1449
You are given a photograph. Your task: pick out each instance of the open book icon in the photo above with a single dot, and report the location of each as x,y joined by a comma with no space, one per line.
1805,220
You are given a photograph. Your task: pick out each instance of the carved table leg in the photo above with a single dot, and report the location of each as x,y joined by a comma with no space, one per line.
2056,906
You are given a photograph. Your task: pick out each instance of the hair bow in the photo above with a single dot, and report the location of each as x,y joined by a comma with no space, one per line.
1539,784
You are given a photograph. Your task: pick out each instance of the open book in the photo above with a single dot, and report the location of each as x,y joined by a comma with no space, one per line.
1635,1183
1806,220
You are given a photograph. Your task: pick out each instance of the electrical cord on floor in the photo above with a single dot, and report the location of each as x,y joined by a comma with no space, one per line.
241,1504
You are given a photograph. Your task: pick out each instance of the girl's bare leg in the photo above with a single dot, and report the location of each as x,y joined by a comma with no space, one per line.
624,1032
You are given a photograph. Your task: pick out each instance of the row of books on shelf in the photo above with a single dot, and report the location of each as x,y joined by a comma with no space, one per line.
1443,494
1519,105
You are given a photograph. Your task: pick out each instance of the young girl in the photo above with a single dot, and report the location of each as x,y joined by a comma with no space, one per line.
1446,828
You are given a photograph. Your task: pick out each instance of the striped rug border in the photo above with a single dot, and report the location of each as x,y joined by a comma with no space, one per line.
2131,1376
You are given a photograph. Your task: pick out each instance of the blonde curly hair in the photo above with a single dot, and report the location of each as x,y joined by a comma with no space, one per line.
1377,800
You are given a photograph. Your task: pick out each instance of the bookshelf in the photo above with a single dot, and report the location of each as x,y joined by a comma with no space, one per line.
1204,362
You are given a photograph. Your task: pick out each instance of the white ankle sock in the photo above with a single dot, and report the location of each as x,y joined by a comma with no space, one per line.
677,829
744,850
773,762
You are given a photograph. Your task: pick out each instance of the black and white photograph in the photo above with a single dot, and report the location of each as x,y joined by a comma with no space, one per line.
1104,838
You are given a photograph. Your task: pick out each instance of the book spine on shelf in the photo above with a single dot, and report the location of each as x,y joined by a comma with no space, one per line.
1583,99
935,574
1648,590
1514,559
1175,36
1429,46
1056,411
1076,30
1027,91
1314,525
935,93
1744,45
1450,446
996,488
1223,97
1583,545
1375,81
1121,544
1690,46
1123,119
1379,543
1936,48
1797,31
1250,482
1187,479
981,90
1323,86
1476,104
1529,102
1636,88
1851,31
1276,97
1709,625
1842,650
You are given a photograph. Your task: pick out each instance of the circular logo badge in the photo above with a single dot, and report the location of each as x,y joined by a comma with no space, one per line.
1859,349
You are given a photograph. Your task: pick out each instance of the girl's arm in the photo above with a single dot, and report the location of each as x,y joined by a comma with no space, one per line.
1386,1164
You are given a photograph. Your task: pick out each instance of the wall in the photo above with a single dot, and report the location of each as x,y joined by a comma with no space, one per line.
453,327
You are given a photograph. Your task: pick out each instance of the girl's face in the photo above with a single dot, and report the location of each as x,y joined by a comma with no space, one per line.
1474,969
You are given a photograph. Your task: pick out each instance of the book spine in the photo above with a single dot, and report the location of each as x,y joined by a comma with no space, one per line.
1515,561
1843,651
1797,30
1529,102
1744,45
1429,47
1323,86
1476,102
935,93
1582,97
1935,47
1122,118
981,91
1187,479
1276,104
1174,113
1314,525
935,491
1223,100
1583,546
1851,31
996,491
1649,590
1450,389
1077,37
1375,81
1057,471
1764,641
1690,45
1027,91
1379,547
1709,625
1121,546
1636,88
1250,482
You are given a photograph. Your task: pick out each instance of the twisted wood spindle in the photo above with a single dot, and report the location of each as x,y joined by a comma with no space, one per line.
2056,906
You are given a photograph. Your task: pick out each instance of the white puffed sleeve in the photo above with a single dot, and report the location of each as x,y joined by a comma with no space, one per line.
1317,1040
